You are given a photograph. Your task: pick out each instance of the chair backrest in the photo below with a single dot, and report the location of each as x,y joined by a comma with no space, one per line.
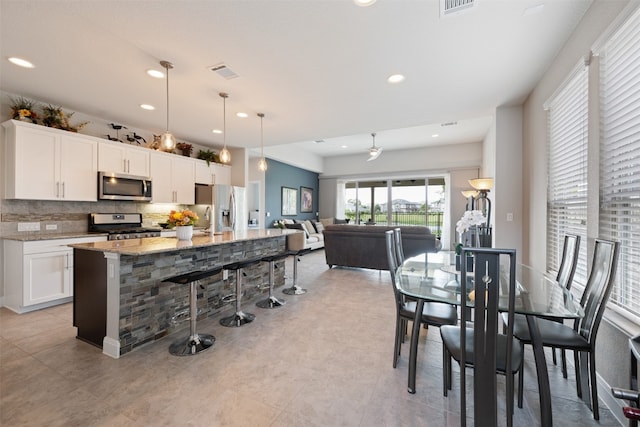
570,251
397,234
392,260
596,292
489,287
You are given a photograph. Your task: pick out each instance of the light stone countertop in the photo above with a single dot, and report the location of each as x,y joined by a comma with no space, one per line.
32,236
152,245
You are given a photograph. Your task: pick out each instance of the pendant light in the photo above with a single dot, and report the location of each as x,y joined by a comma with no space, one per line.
167,140
225,155
262,163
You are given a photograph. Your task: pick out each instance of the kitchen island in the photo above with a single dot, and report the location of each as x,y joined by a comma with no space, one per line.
121,303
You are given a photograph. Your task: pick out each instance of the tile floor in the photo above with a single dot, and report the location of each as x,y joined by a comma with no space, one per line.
324,359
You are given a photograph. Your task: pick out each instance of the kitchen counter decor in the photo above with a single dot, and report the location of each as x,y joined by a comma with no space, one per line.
23,109
183,223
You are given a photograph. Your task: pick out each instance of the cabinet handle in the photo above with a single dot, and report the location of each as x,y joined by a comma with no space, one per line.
63,190
128,166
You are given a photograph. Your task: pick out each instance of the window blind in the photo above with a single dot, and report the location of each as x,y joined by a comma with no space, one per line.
620,158
567,175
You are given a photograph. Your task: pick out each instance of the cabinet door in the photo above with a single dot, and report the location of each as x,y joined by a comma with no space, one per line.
36,160
222,174
161,177
78,169
184,180
47,277
204,173
111,158
137,161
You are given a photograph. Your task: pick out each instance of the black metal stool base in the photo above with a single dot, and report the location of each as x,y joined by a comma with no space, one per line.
271,302
192,345
237,319
294,290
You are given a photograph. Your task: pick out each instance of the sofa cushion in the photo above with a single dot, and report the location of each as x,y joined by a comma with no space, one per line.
296,227
310,228
319,227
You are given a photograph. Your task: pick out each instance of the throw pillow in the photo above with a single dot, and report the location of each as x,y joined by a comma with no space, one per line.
304,227
319,227
310,228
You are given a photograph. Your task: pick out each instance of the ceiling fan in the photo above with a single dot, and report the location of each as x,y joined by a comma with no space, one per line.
374,152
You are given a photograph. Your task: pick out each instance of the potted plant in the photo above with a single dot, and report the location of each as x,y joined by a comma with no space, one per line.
185,148
209,156
23,109
55,117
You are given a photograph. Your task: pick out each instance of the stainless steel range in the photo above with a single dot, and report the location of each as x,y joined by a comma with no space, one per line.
120,226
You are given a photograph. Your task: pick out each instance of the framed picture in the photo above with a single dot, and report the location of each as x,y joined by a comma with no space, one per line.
306,199
289,201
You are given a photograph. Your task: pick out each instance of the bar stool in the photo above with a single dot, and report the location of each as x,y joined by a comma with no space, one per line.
194,343
295,289
239,318
272,301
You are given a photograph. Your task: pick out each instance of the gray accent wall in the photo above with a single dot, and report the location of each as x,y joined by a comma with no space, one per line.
282,175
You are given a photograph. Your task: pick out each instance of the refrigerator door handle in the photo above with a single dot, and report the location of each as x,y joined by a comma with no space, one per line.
232,210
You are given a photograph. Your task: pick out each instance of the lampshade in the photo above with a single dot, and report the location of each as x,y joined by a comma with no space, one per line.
482,184
167,140
225,155
262,163
469,193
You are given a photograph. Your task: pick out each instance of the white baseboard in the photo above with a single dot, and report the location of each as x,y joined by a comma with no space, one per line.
614,405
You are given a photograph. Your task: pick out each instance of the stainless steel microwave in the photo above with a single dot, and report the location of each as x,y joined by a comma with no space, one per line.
118,186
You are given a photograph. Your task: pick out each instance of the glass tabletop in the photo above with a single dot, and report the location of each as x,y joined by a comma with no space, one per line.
431,277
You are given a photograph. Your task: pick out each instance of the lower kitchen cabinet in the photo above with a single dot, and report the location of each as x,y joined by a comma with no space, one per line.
39,274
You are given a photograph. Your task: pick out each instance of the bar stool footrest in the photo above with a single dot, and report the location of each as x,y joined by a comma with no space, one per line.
192,345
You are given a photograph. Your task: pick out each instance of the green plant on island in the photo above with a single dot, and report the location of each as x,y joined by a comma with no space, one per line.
209,156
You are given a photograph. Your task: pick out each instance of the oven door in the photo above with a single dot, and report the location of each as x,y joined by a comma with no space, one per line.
117,186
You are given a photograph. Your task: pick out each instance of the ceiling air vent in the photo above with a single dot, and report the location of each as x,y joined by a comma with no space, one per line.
449,7
223,71
448,124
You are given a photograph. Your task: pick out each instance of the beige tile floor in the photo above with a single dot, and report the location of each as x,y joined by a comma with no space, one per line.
324,359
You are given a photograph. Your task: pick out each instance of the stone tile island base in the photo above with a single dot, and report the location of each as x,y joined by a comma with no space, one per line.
120,302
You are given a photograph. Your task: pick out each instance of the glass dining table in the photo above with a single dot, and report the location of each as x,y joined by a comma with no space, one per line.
431,277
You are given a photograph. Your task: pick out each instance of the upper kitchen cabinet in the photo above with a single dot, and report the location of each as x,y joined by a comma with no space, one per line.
49,164
122,158
173,179
212,173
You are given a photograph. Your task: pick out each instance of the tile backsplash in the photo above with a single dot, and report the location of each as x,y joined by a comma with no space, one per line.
71,217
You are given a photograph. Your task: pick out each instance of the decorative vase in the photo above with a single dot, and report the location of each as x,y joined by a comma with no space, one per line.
184,232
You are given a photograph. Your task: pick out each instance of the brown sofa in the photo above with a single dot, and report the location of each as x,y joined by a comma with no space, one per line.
364,245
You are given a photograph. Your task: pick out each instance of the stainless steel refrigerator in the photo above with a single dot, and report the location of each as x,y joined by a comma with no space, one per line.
228,206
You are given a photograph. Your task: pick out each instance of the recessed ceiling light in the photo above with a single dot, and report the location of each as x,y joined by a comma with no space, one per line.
395,78
147,107
242,115
155,73
435,135
364,3
344,146
21,62
216,131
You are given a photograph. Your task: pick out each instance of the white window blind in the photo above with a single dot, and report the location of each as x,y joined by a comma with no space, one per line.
620,158
567,175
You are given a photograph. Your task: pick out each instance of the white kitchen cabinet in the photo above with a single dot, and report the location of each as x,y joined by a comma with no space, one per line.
122,158
212,174
39,274
49,164
173,179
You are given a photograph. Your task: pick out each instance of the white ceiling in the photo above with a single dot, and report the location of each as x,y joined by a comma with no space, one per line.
317,69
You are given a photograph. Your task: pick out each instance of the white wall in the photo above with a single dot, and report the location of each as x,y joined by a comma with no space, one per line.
507,174
295,157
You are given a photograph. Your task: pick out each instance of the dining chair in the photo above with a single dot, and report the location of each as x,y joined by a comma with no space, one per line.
581,337
564,277
433,313
476,342
397,234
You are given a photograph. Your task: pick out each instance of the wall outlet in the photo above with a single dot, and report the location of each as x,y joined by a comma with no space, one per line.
268,214
509,217
51,227
28,226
